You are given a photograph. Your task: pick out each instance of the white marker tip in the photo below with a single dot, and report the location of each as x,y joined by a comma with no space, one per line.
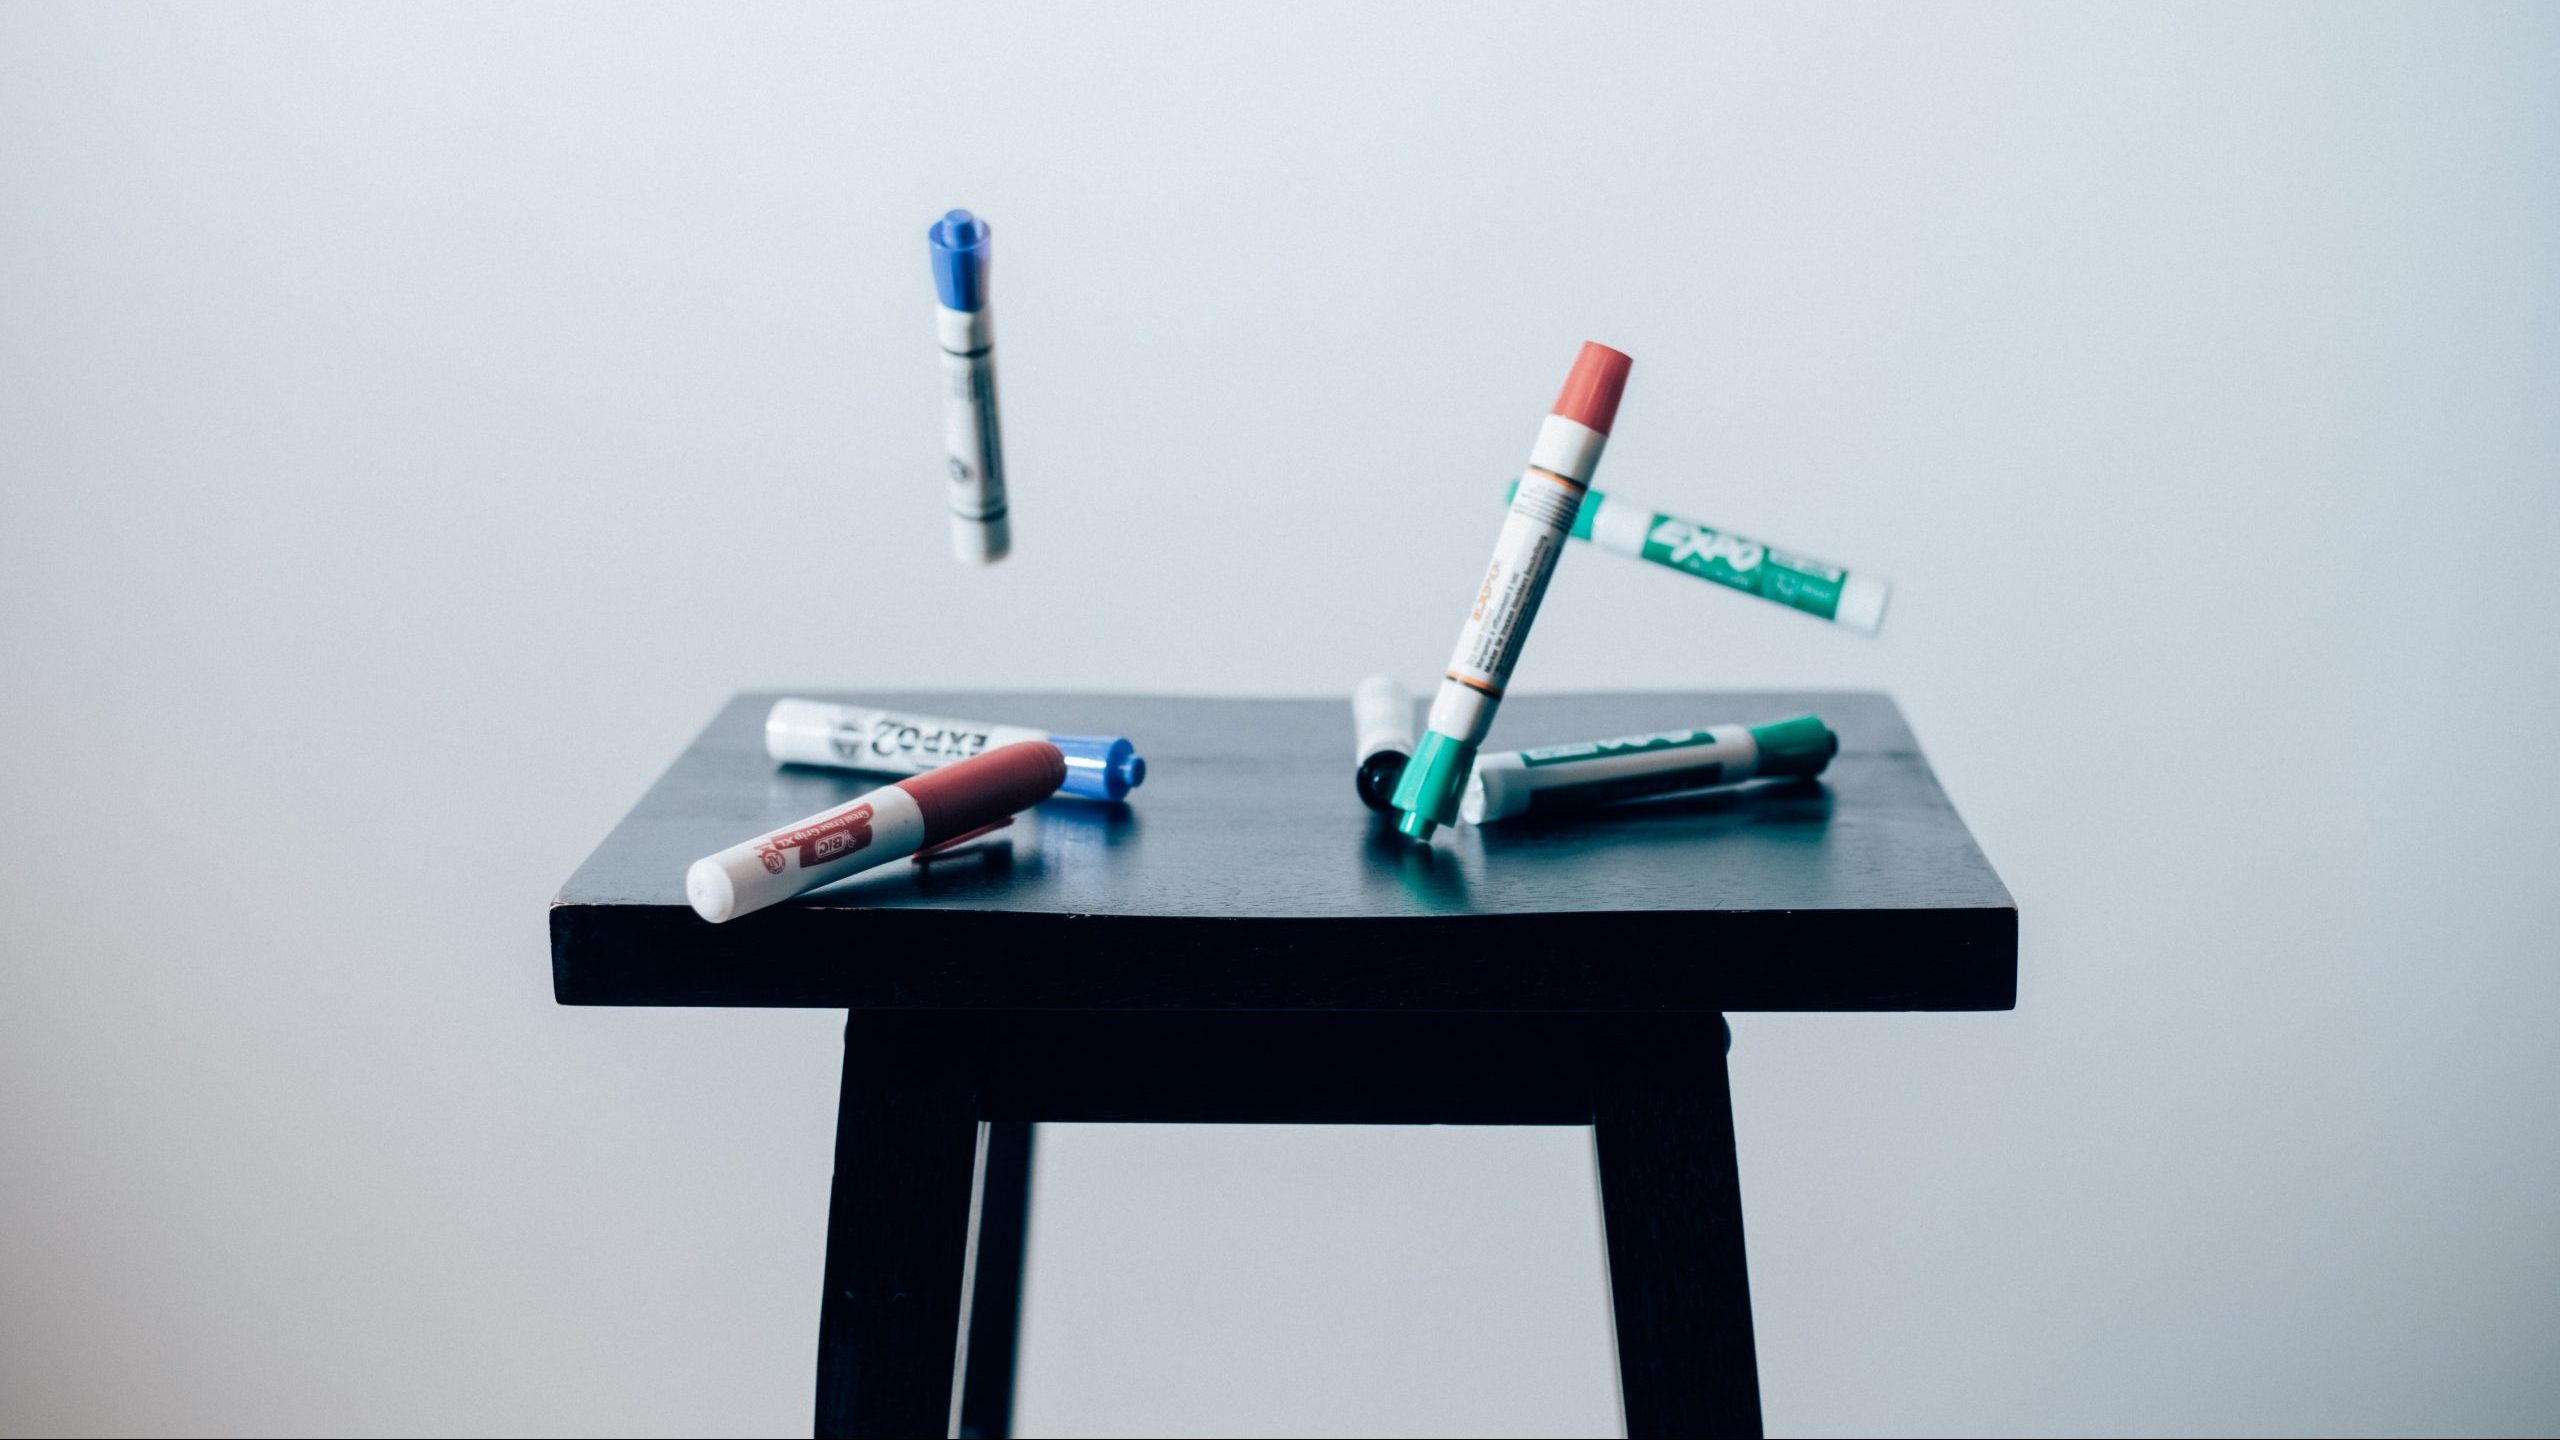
1862,602
707,885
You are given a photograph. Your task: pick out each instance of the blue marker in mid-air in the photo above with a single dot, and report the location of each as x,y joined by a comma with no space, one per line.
980,531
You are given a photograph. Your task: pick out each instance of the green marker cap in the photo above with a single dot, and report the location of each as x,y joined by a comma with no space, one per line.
1797,745
1433,780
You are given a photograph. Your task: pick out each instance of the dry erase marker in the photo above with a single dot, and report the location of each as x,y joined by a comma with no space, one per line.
890,823
1382,727
981,533
1597,772
1524,557
1816,587
855,737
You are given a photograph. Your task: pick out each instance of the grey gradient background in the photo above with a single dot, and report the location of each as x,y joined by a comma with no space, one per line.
414,422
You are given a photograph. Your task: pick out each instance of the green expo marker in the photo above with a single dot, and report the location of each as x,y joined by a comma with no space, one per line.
1816,587
1601,772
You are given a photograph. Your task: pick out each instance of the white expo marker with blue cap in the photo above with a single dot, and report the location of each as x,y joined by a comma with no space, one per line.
981,534
855,737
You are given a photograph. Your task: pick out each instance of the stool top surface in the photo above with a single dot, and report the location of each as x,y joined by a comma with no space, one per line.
1246,874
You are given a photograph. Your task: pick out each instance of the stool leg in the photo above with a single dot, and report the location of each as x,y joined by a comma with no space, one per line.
1671,1207
898,1228
995,1308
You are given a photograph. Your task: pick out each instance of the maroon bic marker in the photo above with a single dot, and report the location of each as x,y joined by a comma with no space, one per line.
892,822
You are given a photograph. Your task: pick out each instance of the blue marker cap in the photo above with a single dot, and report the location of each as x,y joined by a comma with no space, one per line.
1100,767
959,242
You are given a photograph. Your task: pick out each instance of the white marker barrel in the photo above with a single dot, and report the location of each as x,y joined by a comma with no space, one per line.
1382,731
882,826
855,737
981,523
1524,560
1600,772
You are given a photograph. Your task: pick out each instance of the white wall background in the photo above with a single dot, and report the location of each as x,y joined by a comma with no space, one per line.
414,422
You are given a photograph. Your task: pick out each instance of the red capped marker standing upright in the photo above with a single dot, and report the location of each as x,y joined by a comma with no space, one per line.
1524,556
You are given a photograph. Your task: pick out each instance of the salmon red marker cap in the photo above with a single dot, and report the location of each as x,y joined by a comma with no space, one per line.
1591,390
985,788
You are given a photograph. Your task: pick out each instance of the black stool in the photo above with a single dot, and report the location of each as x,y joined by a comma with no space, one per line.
1244,945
